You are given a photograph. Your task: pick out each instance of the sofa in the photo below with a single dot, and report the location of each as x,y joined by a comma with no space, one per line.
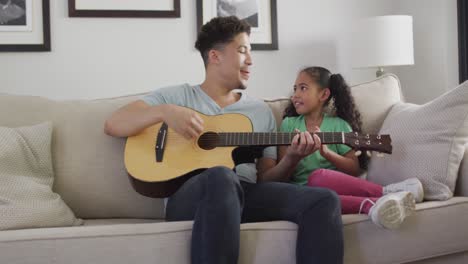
121,226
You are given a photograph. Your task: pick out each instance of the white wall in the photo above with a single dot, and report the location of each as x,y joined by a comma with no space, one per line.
435,49
104,57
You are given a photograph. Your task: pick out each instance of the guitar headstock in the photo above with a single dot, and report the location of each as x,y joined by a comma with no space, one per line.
379,143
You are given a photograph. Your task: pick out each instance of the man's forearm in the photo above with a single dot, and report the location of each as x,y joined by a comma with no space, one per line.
131,119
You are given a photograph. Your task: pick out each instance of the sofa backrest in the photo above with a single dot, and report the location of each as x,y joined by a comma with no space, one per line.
89,168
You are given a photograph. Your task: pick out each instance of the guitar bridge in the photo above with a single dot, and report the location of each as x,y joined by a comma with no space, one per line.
161,142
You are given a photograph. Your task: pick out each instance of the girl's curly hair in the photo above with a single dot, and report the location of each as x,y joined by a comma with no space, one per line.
343,101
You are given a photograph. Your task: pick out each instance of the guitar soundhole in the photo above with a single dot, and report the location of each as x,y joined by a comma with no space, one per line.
208,140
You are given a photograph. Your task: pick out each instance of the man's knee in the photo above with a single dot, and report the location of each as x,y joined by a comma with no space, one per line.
329,202
333,199
221,176
222,187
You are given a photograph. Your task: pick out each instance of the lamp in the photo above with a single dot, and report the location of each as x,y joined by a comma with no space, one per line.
383,41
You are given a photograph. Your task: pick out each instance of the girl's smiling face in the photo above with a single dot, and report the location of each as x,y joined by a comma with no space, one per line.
308,96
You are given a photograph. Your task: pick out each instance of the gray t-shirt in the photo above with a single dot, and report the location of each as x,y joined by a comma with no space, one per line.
195,98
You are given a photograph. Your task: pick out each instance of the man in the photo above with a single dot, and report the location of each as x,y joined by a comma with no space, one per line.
217,199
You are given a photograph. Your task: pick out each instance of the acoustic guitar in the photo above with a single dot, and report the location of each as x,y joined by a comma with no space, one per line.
159,160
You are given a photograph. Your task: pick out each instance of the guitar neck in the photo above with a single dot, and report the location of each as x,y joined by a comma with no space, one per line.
270,139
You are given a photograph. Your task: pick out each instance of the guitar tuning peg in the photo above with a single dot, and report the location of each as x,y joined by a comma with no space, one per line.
369,153
380,155
357,153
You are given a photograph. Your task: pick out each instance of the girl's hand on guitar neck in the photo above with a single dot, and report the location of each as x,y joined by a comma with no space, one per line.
184,121
324,151
302,145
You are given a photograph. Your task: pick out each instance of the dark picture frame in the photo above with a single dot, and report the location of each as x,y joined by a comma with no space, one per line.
74,12
25,47
269,29
462,10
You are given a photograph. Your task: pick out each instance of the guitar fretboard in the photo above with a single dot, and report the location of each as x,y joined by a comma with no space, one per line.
268,139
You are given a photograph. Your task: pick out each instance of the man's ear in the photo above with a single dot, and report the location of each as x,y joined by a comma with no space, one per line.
325,94
213,56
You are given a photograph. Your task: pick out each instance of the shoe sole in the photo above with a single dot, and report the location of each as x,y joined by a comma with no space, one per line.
393,212
420,189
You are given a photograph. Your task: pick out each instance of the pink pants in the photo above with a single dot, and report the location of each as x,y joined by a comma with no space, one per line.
351,190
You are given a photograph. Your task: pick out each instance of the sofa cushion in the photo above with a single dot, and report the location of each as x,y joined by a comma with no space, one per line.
278,106
428,143
26,177
436,228
374,99
89,169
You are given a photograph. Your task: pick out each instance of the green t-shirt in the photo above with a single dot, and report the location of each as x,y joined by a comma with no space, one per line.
315,161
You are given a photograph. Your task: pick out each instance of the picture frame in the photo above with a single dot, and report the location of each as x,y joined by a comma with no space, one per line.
261,14
25,26
134,8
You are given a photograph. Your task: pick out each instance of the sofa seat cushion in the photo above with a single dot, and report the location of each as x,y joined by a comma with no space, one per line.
437,228
119,221
167,242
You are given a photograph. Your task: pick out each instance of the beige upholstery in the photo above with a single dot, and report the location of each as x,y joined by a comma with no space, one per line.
436,131
26,179
89,171
123,227
427,234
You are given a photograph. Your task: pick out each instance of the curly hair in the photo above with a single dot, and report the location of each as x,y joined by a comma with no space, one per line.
218,32
343,101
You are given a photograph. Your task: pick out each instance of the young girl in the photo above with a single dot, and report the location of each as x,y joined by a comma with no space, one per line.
331,166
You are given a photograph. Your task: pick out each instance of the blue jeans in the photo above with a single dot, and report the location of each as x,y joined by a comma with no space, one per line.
218,203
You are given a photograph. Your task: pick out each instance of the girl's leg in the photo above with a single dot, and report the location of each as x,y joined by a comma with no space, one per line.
356,205
344,184
388,211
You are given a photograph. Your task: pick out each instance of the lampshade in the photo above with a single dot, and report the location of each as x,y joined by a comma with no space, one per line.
383,41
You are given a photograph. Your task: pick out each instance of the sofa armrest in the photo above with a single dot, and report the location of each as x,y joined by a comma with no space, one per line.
462,181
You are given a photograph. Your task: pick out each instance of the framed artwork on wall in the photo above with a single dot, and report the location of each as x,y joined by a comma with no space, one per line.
119,8
24,25
260,14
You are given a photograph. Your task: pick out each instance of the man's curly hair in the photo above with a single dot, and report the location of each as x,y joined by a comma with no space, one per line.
218,32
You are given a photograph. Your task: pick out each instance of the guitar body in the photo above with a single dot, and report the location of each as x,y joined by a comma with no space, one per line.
182,158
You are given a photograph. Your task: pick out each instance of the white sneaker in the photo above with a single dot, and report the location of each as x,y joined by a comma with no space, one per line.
412,185
391,210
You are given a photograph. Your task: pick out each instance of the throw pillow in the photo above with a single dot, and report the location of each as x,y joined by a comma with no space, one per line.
26,177
428,143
